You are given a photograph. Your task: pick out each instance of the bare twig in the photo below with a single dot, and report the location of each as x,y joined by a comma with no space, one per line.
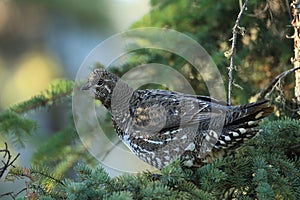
235,31
266,92
6,164
12,194
9,160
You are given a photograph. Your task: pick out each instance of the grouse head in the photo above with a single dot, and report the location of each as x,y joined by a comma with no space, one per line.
101,84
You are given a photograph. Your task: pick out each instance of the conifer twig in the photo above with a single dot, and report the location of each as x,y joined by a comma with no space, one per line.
56,91
235,31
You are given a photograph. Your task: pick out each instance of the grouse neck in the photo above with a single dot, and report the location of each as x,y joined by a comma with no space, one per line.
120,98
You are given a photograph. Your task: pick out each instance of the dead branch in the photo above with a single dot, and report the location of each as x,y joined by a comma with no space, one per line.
267,91
236,29
9,160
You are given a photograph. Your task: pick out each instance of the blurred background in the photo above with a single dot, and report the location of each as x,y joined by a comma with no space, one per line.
41,41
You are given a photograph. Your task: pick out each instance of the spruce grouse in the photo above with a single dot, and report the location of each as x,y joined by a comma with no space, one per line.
159,126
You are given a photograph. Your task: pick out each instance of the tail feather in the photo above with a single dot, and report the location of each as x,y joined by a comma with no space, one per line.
236,136
252,112
245,126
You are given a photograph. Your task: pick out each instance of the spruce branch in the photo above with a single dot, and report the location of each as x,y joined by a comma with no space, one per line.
57,90
35,174
287,168
236,29
11,120
39,182
17,126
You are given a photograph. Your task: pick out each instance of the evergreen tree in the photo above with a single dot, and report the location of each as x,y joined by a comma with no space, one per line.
266,167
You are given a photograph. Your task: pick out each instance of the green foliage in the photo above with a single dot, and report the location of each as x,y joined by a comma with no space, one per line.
261,169
262,52
96,184
90,14
61,151
57,91
40,180
16,127
266,167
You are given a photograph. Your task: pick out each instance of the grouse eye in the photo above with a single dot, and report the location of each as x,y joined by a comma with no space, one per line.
100,82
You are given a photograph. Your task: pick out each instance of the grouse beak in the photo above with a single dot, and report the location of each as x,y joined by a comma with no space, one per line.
85,86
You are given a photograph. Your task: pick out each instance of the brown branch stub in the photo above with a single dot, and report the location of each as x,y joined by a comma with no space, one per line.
267,91
236,29
296,59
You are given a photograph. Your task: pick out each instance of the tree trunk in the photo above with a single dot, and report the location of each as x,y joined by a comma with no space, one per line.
296,60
